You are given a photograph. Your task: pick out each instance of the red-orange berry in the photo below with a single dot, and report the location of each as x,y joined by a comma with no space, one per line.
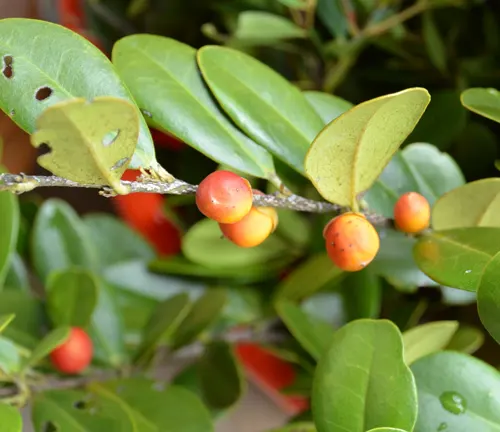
73,355
351,241
224,197
412,213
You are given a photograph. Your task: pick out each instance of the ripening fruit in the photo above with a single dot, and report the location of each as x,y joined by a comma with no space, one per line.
412,213
254,228
351,241
75,354
224,197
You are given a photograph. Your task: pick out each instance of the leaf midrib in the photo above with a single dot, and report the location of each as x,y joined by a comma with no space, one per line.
461,245
482,213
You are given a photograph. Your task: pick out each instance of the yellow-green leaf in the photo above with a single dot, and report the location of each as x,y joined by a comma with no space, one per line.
482,101
92,142
350,153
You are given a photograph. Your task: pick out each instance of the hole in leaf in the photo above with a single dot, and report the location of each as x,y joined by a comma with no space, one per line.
81,405
43,93
12,113
44,149
146,113
7,71
120,163
110,137
158,386
49,427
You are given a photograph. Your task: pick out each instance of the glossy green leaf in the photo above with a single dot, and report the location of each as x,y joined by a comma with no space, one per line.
98,136
456,392
114,241
52,340
205,245
313,334
221,379
204,312
163,77
482,101
9,228
434,42
59,240
308,278
419,168
261,102
427,338
11,418
488,297
466,339
17,277
162,325
71,297
362,294
351,389
297,427
62,69
458,257
10,360
350,153
473,204
328,106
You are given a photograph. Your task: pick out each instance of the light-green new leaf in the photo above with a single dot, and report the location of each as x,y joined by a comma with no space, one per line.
349,154
482,101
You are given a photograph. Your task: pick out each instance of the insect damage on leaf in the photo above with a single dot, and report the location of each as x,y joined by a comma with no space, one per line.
7,70
43,93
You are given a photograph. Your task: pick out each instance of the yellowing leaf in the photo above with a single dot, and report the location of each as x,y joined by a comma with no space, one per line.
92,142
350,153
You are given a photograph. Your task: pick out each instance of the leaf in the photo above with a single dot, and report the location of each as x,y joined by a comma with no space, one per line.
204,244
349,154
59,239
458,257
386,429
204,312
474,204
10,418
5,320
10,360
162,325
154,408
427,338
297,427
351,389
163,76
98,137
482,101
331,13
456,392
9,229
114,241
294,227
71,297
488,297
328,106
261,102
308,278
222,382
434,43
58,71
293,3
467,339
313,334
362,294
419,168
17,277
51,341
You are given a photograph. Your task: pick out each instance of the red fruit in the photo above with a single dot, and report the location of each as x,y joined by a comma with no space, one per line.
73,355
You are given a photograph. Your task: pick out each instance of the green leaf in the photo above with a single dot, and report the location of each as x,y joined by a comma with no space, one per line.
204,312
419,168
98,136
350,153
467,339
61,71
59,240
11,418
114,241
362,294
488,297
163,76
10,360
328,106
456,392
482,101
474,204
308,278
261,102
427,339
351,389
9,229
297,427
434,42
222,382
386,429
51,341
162,325
205,245
71,297
458,257
313,334
331,13
296,4
17,277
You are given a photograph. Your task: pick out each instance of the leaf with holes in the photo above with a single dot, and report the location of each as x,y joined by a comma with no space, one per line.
37,72
261,102
474,204
91,142
328,106
163,76
9,227
10,418
482,101
352,390
458,257
52,340
349,154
